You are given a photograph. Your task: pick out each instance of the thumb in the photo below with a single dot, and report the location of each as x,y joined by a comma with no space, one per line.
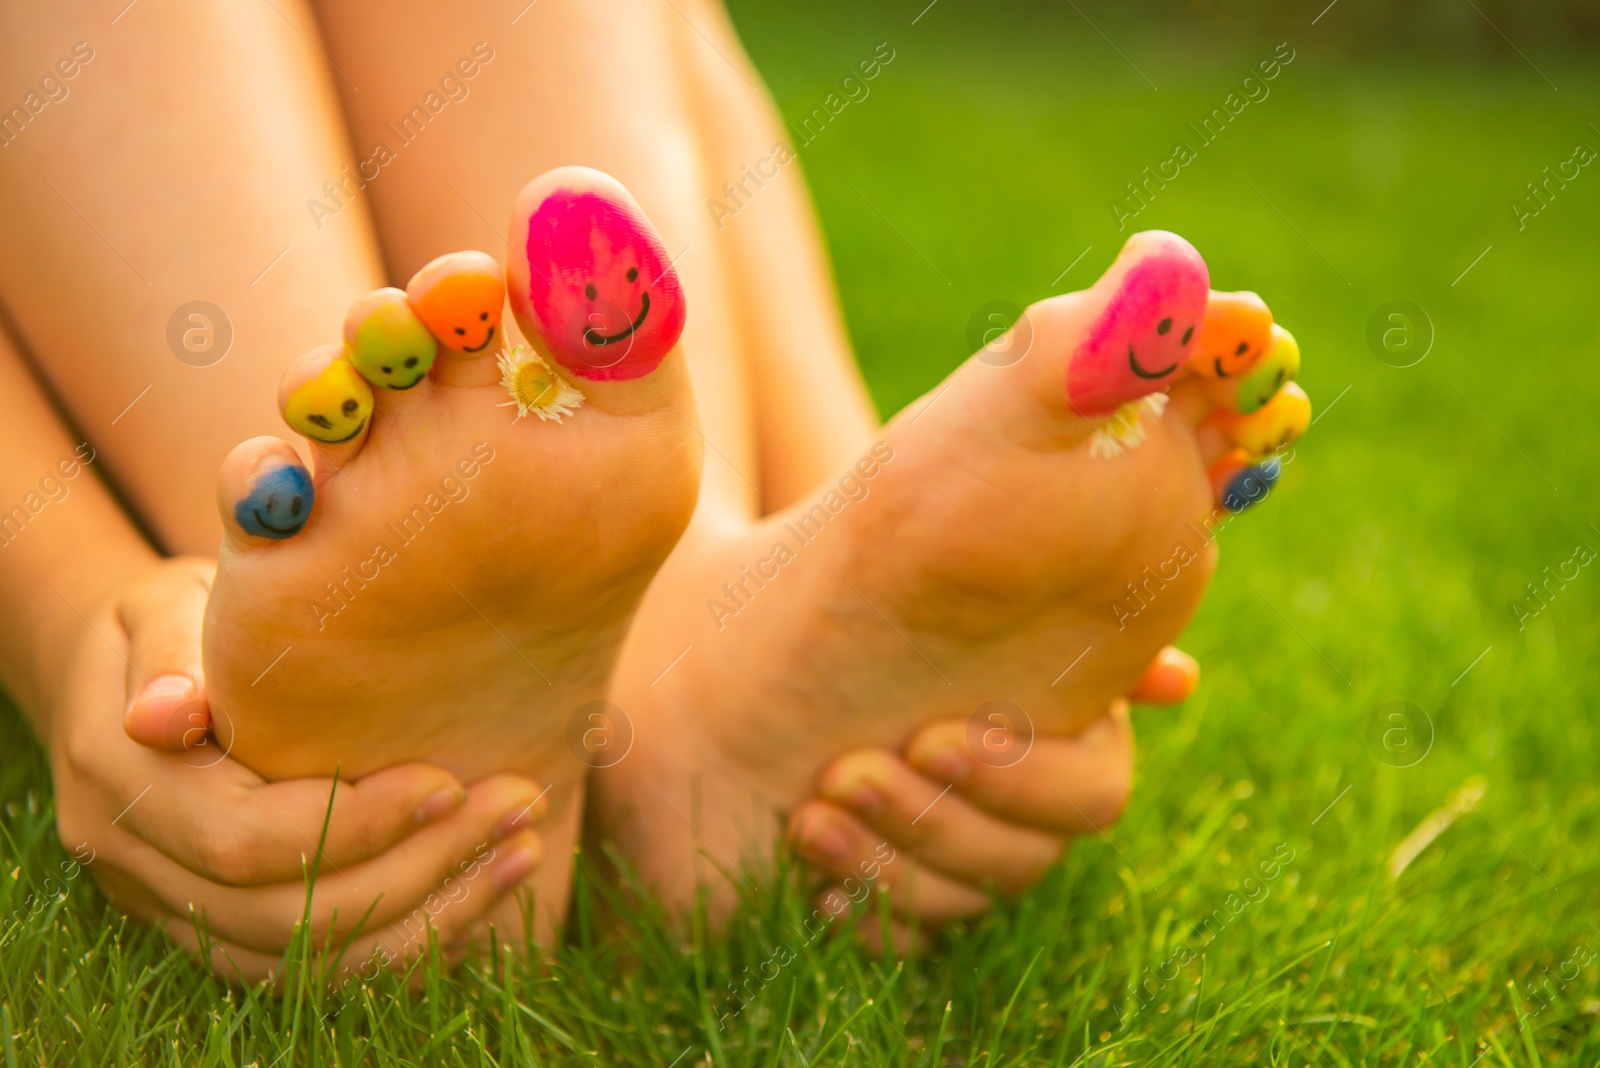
162,616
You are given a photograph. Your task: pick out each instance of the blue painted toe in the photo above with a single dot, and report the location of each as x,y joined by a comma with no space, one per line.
1251,485
278,504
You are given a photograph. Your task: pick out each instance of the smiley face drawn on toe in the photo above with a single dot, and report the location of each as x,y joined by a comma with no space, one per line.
598,340
278,504
1140,339
604,298
1235,334
459,298
1272,426
1261,383
331,408
387,342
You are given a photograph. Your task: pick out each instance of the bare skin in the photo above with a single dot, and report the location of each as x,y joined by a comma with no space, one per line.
782,404
513,550
746,351
977,555
93,612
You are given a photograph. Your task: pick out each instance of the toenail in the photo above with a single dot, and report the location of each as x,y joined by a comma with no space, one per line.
950,765
515,866
439,804
828,845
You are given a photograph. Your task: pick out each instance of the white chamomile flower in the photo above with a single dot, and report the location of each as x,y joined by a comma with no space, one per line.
535,387
1122,428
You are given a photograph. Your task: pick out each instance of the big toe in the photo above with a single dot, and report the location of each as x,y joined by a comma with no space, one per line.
592,287
1130,334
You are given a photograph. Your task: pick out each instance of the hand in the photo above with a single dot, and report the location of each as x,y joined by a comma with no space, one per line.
958,828
167,832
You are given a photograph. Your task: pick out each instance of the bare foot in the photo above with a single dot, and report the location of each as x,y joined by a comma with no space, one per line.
1015,549
453,578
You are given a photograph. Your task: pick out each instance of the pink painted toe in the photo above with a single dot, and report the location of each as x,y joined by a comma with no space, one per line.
1140,340
590,277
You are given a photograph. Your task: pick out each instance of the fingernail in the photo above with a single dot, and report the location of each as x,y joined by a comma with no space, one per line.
865,800
951,765
161,687
439,804
517,819
825,845
515,866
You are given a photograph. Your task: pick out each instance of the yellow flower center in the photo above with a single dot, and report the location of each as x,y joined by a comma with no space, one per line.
535,386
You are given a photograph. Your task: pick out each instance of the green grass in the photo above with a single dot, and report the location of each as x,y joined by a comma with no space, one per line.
1385,565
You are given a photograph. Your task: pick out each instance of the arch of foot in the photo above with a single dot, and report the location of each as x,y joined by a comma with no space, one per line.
1247,365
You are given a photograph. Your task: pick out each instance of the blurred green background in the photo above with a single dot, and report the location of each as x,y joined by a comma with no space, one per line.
1385,567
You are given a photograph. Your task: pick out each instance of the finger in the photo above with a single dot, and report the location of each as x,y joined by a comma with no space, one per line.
391,348
323,398
458,855
938,828
1063,786
392,945
902,936
229,962
162,617
1170,678
264,493
840,846
221,821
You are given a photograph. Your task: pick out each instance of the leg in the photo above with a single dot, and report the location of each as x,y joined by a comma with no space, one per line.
116,227
639,93
583,111
955,572
568,83
92,295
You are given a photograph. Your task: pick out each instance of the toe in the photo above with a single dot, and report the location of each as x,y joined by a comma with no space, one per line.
1236,331
390,346
323,398
1237,483
1273,426
593,288
1250,389
1134,330
264,493
460,297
